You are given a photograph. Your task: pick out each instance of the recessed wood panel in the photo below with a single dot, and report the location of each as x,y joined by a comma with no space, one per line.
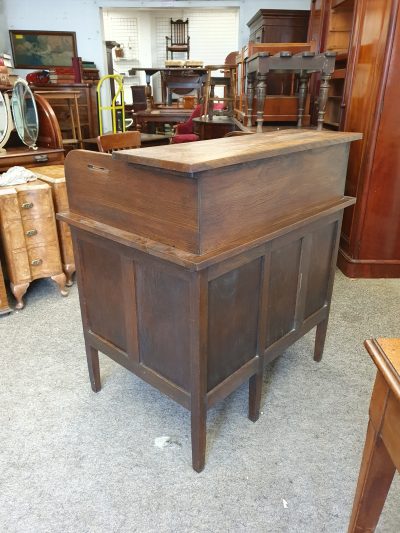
232,321
163,323
320,266
282,292
103,293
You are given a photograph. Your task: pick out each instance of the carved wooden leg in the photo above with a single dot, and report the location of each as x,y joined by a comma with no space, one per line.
18,291
92,356
69,270
302,97
376,474
61,281
250,97
261,93
255,389
210,109
320,336
322,99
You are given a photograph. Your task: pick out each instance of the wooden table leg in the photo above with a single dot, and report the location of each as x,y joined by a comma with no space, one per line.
376,474
320,336
322,99
304,77
250,97
261,93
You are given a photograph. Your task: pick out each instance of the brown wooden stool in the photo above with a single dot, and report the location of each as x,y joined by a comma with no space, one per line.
381,455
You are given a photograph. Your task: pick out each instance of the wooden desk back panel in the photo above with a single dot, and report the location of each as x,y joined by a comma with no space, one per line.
198,202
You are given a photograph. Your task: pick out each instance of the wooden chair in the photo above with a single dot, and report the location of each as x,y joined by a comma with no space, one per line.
179,40
381,457
112,142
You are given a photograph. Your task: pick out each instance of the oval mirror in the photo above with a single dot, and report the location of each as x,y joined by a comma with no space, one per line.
5,120
25,113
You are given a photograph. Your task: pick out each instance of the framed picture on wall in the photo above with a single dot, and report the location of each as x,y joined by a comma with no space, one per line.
43,49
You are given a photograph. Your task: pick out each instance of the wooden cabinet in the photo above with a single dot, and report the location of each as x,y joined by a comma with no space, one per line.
29,237
198,263
54,176
87,106
369,84
279,26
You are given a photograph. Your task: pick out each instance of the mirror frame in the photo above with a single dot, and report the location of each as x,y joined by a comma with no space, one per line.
22,82
9,124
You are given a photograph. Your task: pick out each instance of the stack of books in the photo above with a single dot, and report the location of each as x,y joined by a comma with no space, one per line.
7,75
62,75
89,71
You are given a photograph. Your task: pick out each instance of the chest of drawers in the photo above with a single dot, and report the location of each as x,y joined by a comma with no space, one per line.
29,237
54,176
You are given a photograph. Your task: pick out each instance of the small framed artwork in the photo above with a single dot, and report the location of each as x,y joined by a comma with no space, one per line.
43,49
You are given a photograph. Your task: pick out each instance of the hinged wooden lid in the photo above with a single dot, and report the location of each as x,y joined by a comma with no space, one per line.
193,157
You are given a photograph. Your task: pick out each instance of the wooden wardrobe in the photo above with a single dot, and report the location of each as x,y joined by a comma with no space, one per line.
365,97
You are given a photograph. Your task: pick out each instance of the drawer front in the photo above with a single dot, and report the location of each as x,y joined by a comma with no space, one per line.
44,261
18,267
35,203
32,160
39,230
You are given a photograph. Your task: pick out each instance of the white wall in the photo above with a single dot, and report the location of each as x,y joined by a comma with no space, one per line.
84,17
4,42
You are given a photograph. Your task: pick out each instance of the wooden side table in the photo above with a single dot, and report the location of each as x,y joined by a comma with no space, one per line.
71,98
381,455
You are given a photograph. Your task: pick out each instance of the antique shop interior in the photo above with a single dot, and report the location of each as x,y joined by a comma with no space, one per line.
199,266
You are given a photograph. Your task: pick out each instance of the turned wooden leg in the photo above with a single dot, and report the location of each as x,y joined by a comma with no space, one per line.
261,93
320,336
322,99
302,98
255,389
210,109
61,281
250,97
18,291
92,356
376,474
69,271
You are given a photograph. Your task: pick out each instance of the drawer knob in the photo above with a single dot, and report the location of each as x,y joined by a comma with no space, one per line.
31,232
36,262
27,205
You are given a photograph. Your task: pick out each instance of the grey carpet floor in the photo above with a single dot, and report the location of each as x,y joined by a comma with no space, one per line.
75,461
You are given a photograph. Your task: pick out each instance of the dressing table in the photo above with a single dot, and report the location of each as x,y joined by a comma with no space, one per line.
27,220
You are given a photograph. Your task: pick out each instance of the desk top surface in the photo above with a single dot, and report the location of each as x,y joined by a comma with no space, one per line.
216,153
386,355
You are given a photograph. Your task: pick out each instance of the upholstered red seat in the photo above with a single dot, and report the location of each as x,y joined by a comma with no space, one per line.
184,138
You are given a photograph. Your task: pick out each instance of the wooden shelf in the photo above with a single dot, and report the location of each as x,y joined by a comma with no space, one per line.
339,74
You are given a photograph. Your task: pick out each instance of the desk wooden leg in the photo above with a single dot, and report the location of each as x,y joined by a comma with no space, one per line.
255,390
92,356
261,94
376,474
320,336
198,334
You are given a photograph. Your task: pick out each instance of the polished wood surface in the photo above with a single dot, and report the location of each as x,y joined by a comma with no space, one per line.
381,457
54,176
29,237
4,306
172,115
370,242
118,141
183,256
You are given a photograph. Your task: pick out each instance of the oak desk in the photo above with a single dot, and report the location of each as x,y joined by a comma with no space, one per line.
197,263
